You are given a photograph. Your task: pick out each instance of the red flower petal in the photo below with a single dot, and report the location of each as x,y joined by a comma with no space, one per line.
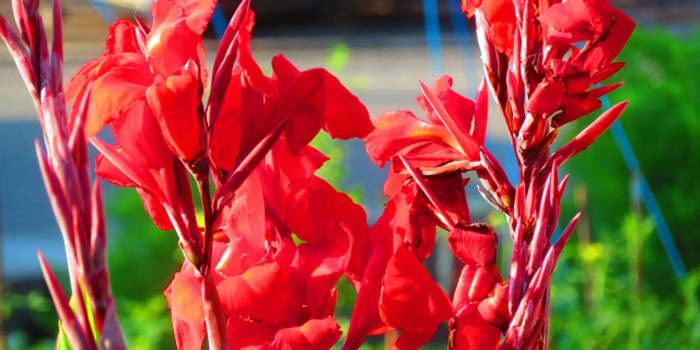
118,82
397,130
482,284
250,335
312,335
495,308
197,13
468,6
365,315
546,99
263,292
573,21
122,38
326,104
606,50
171,42
155,210
410,297
226,135
251,71
500,15
344,115
320,265
471,331
105,169
414,338
185,301
175,103
455,104
576,107
461,299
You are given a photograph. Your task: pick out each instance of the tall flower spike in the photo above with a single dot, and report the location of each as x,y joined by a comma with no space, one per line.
77,207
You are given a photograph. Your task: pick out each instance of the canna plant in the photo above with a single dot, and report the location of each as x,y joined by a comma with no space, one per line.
543,62
260,271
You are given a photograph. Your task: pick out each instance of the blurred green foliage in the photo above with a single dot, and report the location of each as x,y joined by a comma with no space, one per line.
616,288
599,300
662,81
142,261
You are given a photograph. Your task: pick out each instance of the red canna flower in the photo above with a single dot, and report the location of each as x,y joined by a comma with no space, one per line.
248,106
275,294
443,143
165,63
395,285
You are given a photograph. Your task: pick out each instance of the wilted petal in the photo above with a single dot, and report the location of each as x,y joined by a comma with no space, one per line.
475,244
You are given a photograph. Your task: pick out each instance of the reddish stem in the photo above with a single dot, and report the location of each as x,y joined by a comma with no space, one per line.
215,321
